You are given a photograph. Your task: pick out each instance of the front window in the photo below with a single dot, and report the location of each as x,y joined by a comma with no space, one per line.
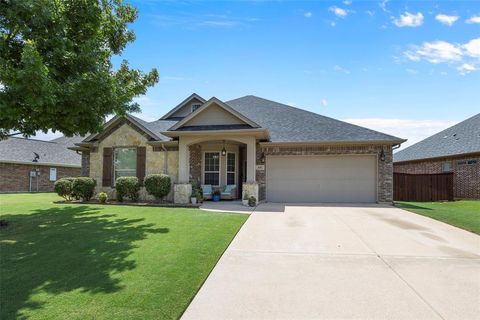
231,168
446,167
212,168
125,162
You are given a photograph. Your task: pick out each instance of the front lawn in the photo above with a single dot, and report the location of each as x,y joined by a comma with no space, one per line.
64,261
462,214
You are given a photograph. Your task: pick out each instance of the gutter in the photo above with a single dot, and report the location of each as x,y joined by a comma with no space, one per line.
46,164
362,142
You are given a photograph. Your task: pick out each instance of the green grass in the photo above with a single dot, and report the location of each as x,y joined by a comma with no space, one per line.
68,261
462,214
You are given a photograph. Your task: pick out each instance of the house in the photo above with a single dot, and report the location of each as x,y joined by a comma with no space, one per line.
34,165
268,150
456,149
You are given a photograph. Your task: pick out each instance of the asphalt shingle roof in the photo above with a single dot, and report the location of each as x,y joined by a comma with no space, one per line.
157,126
461,138
289,124
51,152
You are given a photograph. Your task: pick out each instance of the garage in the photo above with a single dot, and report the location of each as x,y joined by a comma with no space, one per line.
313,179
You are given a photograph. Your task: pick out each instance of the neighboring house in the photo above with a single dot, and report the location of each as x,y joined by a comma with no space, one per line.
269,150
456,149
21,170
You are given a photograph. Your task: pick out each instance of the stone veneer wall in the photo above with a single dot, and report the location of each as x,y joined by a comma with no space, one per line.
466,178
385,168
85,164
196,162
16,177
126,136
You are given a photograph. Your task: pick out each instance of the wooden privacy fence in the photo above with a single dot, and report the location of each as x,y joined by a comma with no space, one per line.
422,187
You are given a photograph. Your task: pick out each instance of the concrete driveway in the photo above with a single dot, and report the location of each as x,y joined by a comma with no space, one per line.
343,262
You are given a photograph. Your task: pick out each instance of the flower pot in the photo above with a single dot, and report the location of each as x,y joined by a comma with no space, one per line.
216,197
194,200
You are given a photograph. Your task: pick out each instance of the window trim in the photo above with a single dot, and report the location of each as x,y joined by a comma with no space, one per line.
451,166
219,168
226,168
114,169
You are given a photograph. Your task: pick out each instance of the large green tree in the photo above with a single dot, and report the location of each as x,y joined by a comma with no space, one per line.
55,65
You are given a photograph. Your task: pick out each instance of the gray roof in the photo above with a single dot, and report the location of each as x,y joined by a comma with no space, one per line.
289,124
55,152
462,138
157,126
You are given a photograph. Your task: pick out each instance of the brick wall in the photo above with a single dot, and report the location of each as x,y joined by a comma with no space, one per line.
196,162
385,168
466,178
16,177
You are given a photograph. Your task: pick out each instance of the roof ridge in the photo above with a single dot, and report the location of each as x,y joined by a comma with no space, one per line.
29,139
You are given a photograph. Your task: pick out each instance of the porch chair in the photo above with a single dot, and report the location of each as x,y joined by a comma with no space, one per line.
230,192
207,191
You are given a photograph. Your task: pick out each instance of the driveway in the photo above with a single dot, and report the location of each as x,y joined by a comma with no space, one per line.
343,262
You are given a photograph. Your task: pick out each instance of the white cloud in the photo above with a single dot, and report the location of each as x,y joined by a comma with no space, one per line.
324,102
472,47
308,14
383,5
339,12
413,130
466,68
473,19
465,57
347,2
370,13
409,20
446,19
436,52
333,23
341,69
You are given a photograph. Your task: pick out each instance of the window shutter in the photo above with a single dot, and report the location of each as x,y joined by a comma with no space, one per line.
107,167
141,159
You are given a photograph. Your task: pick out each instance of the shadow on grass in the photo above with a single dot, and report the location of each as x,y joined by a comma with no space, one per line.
403,205
64,249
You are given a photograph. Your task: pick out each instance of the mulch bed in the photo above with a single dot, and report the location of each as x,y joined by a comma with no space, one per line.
133,204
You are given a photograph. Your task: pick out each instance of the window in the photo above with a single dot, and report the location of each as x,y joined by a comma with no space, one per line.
195,106
125,162
231,168
471,162
212,168
467,162
53,174
446,167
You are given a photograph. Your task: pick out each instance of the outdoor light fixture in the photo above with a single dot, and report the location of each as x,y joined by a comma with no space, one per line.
224,151
382,155
262,157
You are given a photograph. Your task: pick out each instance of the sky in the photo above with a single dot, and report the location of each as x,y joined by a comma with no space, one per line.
407,68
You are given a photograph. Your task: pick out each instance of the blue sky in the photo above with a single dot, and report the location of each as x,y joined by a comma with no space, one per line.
402,67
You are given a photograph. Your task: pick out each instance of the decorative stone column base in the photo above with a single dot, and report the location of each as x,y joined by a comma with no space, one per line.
182,193
251,189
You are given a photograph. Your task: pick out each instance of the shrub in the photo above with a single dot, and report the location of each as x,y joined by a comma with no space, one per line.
158,185
102,197
252,201
84,187
63,187
127,187
197,191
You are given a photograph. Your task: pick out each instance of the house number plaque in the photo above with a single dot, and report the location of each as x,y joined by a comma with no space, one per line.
260,167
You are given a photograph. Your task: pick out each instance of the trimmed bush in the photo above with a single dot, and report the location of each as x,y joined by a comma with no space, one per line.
102,197
84,187
158,185
127,187
252,201
63,187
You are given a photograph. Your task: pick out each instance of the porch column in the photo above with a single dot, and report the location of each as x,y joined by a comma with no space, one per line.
251,159
183,162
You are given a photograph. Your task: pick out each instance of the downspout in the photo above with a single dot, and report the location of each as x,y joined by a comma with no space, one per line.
165,160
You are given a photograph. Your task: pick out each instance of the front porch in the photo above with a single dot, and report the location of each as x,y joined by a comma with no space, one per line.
208,160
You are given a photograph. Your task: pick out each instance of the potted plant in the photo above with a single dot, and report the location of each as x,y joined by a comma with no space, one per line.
216,195
194,197
245,199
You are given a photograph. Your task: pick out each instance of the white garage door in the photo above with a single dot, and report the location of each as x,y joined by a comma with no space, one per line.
321,179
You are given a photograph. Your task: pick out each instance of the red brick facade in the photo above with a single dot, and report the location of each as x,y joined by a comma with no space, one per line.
466,176
16,177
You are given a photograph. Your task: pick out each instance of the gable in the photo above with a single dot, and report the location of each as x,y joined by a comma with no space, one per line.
186,109
111,128
214,115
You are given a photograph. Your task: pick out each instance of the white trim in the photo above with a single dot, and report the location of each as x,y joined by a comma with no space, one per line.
234,172
219,167
46,164
183,103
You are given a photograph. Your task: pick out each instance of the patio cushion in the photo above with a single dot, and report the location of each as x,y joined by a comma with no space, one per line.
207,189
229,188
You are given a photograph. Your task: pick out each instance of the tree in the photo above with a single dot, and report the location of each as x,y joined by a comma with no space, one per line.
55,65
